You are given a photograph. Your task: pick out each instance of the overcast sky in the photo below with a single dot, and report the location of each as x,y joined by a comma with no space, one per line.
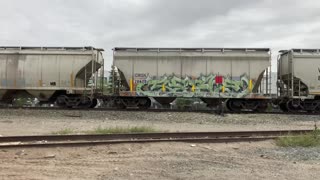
278,24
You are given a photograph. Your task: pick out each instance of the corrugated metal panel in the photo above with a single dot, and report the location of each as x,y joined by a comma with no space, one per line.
301,65
46,68
181,63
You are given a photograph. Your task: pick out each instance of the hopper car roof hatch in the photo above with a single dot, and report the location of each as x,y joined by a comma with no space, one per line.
300,51
48,48
191,49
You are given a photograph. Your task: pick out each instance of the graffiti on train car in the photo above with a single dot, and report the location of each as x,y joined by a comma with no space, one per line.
202,86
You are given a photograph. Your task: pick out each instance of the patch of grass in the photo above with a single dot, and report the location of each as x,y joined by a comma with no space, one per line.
305,140
64,132
119,130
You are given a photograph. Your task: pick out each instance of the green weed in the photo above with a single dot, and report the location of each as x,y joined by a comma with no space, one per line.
305,140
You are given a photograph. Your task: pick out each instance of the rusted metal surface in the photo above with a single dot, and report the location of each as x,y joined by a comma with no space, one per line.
155,110
212,137
91,143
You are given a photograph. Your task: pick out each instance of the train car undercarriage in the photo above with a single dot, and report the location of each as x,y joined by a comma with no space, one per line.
58,98
238,105
298,105
76,101
234,105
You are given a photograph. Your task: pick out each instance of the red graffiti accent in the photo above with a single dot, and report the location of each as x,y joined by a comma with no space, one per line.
219,79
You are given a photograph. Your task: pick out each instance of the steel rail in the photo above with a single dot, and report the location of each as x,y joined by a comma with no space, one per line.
86,143
56,140
157,110
77,137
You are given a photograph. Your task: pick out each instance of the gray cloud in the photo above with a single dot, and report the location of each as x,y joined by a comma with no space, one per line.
278,24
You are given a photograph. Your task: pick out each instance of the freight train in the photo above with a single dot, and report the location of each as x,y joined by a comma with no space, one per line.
240,77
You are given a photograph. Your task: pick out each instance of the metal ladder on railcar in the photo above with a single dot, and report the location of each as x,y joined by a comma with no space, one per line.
266,83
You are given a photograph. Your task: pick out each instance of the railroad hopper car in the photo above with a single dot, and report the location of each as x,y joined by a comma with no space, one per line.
298,80
51,74
234,75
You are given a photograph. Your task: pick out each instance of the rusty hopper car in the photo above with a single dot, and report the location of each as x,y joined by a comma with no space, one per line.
299,80
51,74
232,74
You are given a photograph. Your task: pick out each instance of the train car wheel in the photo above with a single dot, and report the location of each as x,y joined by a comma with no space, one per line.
234,105
144,103
293,107
119,104
94,103
61,101
262,106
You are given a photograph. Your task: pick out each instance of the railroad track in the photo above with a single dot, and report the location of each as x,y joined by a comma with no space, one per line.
197,137
157,110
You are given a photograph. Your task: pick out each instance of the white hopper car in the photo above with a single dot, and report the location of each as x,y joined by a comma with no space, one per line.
167,73
299,80
51,74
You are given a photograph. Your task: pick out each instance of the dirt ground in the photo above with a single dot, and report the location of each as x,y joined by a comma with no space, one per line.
26,122
258,160
154,161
